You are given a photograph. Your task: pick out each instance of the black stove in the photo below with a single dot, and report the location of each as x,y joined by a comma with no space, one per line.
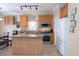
46,36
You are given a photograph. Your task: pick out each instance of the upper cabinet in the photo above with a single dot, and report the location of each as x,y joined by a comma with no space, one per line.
64,11
46,18
9,20
23,21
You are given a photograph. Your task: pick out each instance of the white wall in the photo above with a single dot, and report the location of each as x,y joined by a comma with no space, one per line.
9,28
1,23
1,27
73,38
6,28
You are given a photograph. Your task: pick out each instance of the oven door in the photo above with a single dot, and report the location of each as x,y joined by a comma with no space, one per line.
46,36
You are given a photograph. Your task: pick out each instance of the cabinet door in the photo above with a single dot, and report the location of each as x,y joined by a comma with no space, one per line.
52,38
9,20
46,18
6,20
64,11
23,21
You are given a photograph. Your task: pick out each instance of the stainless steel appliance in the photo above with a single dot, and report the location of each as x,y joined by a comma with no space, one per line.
45,25
46,36
46,31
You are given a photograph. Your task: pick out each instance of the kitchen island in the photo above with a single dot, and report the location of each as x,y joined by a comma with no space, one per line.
27,44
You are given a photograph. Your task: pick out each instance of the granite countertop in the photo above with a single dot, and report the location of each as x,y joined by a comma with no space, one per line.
28,35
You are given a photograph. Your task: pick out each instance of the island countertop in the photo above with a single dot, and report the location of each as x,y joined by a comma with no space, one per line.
27,35
27,44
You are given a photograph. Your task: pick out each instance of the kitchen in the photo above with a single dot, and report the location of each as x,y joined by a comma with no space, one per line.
32,33
29,27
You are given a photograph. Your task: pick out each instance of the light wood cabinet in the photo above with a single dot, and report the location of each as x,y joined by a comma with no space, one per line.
9,20
46,18
64,11
27,46
6,20
23,21
52,38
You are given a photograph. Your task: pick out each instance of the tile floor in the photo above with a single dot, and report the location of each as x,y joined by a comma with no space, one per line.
48,50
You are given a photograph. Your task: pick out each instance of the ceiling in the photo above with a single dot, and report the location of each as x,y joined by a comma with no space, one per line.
14,8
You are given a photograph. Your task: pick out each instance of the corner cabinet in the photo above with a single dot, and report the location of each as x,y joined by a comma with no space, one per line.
9,20
64,11
23,21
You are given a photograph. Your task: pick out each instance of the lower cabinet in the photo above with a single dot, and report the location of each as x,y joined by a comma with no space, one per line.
27,46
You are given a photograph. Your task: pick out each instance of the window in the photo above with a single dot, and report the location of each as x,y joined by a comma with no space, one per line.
32,25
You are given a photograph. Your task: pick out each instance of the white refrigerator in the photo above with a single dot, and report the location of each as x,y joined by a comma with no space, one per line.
61,35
